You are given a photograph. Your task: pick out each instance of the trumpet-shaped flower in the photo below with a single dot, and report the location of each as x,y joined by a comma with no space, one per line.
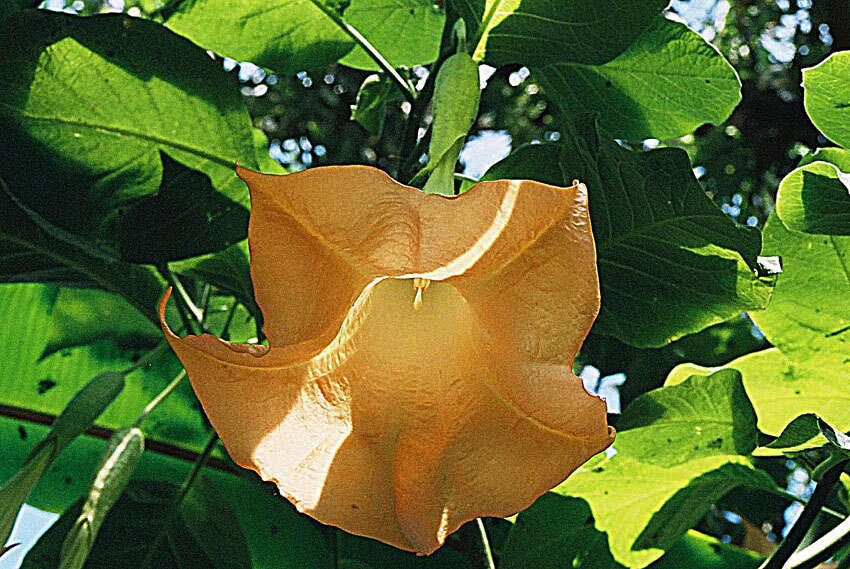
418,372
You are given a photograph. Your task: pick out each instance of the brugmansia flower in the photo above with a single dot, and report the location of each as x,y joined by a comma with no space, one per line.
418,372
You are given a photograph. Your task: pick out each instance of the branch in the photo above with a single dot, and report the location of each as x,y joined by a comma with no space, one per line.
801,527
404,86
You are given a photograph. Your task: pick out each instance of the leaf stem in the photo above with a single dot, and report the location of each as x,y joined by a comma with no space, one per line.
798,531
485,544
149,357
185,306
152,404
178,500
405,87
417,112
225,331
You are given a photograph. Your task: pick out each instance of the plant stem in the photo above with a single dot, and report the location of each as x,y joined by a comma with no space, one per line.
485,544
178,500
404,86
801,500
185,306
417,111
147,358
158,399
822,549
225,331
798,531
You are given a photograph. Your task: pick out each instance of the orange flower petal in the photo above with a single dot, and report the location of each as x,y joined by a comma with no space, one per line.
418,373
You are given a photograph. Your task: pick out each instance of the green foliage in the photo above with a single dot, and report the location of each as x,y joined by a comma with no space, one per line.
815,198
827,100
455,108
665,84
510,31
682,448
670,262
120,139
781,389
202,535
293,35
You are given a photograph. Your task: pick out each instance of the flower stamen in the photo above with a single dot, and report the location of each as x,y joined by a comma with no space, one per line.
419,285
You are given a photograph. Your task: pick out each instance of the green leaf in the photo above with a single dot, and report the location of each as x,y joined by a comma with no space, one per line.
78,415
32,251
555,532
163,93
376,92
406,32
670,262
286,35
295,35
838,157
670,466
455,103
827,98
371,553
229,270
585,31
87,105
809,316
186,218
704,418
667,83
44,386
699,551
815,198
799,431
111,476
137,518
82,316
781,389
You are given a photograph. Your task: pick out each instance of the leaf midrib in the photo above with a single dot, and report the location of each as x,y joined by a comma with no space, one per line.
138,134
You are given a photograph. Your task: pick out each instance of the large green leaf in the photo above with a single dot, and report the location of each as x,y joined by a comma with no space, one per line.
296,35
536,32
406,32
670,262
667,83
278,537
827,98
143,512
781,389
82,316
87,105
33,250
809,316
704,418
31,385
815,198
284,35
681,455
185,218
556,531
699,551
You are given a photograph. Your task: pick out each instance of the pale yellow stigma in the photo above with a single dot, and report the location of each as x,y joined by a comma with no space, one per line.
419,285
